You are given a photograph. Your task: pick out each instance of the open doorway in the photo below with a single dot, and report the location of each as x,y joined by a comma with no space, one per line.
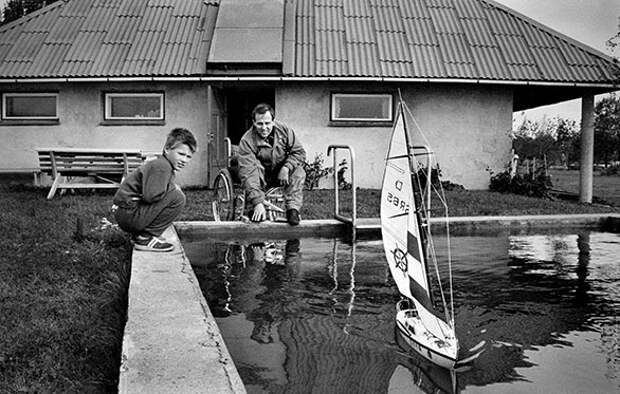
240,103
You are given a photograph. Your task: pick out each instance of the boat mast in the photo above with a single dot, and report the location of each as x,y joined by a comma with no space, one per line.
422,215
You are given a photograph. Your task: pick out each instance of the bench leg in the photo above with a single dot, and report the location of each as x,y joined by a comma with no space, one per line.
54,187
37,178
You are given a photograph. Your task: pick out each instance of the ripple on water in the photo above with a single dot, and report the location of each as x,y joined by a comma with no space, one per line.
319,313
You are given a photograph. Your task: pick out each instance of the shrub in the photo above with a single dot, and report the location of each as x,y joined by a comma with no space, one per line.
533,184
611,170
342,181
435,179
450,186
315,170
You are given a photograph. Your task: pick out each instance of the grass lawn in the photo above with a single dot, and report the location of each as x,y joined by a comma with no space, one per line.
603,187
63,294
319,204
64,277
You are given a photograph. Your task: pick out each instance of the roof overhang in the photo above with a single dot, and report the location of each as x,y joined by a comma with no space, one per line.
247,78
533,96
526,94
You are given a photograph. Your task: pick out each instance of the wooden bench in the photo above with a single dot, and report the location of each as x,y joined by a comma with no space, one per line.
101,164
34,171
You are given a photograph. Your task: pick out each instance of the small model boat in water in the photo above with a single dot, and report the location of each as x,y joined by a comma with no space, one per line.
409,248
442,351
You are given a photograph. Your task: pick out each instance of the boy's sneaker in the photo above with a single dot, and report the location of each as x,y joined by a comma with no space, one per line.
151,244
292,217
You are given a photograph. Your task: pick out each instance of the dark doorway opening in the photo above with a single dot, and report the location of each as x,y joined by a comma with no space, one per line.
240,103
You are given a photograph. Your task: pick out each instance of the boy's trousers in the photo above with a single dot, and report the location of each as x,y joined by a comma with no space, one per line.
151,219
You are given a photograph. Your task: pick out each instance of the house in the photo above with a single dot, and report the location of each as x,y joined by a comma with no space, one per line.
122,73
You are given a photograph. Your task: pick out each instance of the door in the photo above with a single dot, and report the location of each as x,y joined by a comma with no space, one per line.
218,131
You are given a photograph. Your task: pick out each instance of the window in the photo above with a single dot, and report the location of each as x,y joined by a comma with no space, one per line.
361,107
29,106
134,106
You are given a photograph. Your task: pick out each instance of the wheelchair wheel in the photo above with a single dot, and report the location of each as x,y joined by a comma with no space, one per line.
223,199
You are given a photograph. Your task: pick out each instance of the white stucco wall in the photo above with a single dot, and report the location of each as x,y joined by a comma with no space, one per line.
80,110
467,126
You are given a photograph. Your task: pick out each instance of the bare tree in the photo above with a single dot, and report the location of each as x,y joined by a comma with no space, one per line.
15,9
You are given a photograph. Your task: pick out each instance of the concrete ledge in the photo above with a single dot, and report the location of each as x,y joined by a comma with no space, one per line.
372,226
573,218
307,228
484,224
171,341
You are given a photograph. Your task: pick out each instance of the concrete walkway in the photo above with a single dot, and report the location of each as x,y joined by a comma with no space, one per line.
171,341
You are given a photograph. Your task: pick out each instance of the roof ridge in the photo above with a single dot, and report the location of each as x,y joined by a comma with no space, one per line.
32,15
550,30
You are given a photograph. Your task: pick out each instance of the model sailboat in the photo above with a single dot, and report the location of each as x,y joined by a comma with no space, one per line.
408,243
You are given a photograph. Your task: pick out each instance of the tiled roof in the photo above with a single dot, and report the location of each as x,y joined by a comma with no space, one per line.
103,38
454,39
419,39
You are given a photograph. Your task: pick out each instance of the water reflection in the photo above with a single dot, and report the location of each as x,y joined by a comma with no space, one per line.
318,315
583,244
350,288
278,269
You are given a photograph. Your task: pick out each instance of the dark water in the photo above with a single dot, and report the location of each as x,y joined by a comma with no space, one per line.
317,315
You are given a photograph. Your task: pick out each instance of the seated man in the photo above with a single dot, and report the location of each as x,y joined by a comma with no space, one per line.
270,155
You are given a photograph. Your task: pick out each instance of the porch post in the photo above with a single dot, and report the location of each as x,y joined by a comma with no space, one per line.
587,149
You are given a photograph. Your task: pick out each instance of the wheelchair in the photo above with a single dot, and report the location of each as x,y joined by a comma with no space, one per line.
228,202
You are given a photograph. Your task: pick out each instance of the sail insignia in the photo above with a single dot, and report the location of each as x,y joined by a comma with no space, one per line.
401,260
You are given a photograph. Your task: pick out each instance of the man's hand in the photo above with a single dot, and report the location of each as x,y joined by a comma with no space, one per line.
259,213
283,176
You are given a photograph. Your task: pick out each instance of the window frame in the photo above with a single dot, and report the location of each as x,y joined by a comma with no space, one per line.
107,108
360,121
29,119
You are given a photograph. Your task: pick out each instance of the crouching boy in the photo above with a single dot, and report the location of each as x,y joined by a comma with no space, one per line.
149,200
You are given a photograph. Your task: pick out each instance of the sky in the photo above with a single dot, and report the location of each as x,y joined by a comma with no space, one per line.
591,22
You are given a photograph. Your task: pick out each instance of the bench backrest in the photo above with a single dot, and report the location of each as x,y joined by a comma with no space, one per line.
85,161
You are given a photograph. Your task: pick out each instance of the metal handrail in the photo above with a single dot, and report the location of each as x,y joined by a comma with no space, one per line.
353,219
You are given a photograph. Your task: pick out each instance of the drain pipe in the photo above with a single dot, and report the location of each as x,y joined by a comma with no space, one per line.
353,219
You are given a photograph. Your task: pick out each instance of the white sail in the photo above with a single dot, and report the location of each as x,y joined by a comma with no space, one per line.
401,231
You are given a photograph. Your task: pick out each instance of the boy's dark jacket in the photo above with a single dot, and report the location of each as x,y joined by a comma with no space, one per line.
147,184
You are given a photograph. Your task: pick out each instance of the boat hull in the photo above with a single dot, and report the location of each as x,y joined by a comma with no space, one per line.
417,338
